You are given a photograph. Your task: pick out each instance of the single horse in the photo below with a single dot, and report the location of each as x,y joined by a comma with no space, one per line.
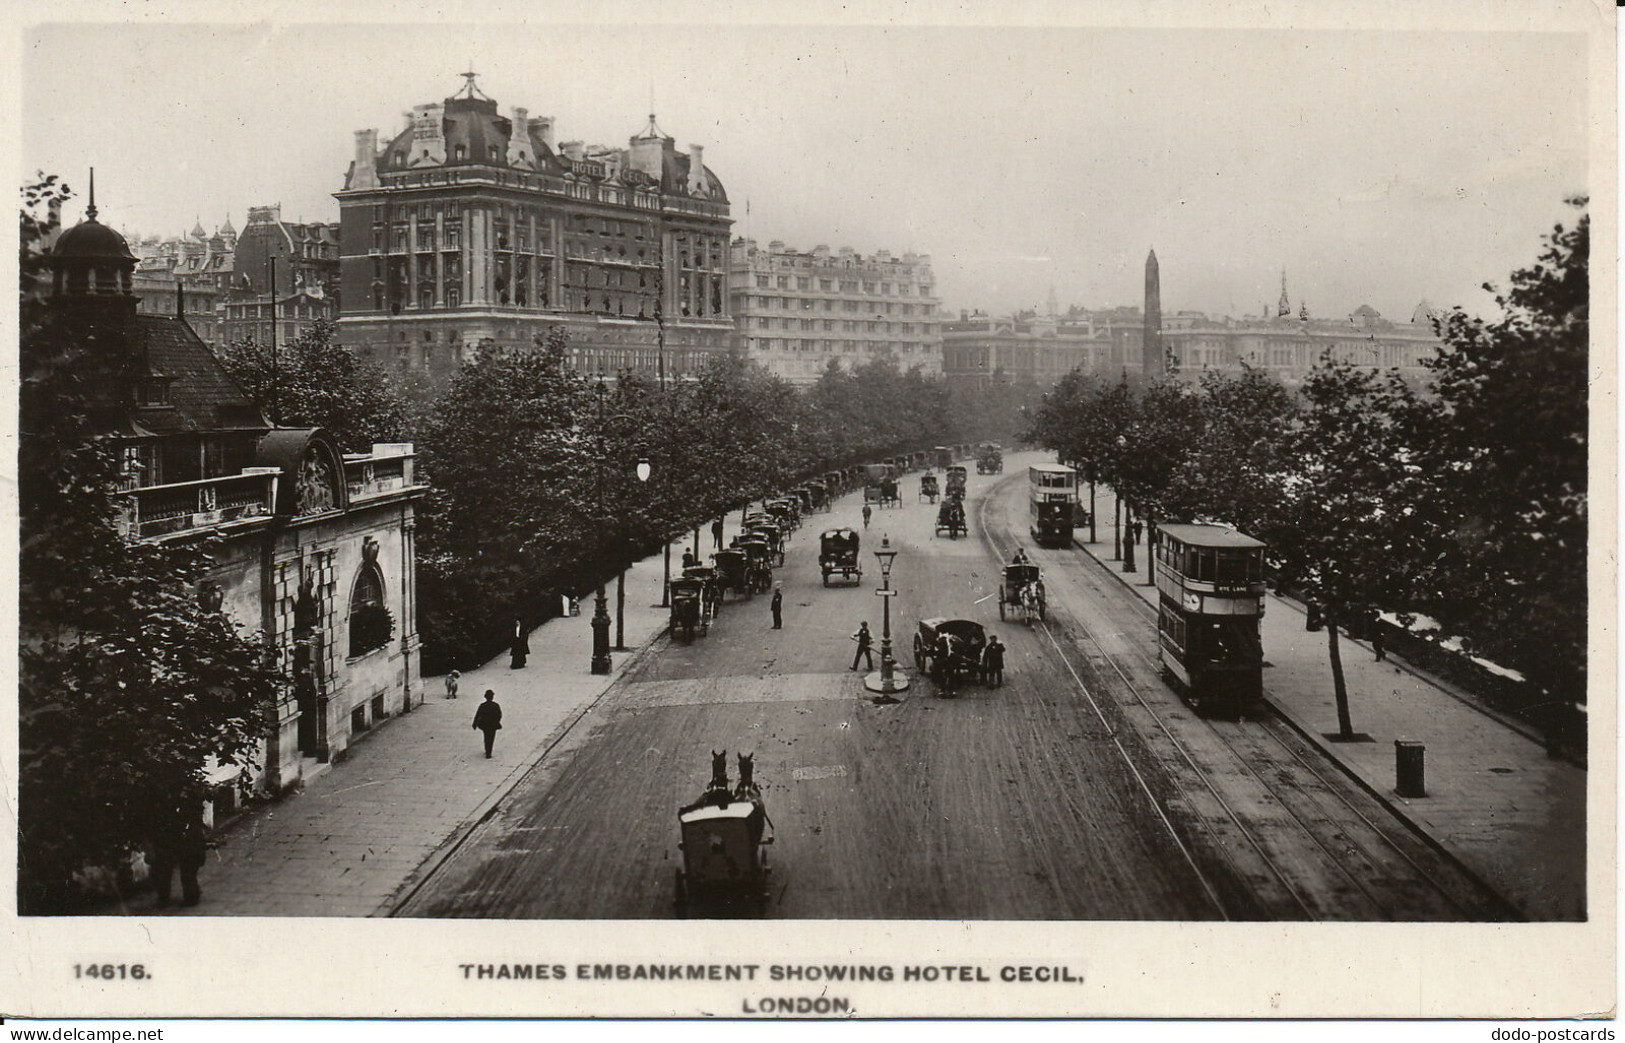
1031,603
717,791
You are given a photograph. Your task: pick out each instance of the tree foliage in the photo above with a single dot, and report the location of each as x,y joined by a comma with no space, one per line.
128,686
1508,447
314,382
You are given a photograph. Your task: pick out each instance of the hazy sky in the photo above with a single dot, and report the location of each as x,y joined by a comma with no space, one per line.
1376,167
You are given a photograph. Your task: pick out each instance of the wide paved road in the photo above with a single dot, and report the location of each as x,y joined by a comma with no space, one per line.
1033,801
1010,803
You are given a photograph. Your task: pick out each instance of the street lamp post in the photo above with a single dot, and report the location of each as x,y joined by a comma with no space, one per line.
601,663
1125,539
888,679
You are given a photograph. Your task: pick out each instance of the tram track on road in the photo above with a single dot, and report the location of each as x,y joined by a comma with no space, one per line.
1292,840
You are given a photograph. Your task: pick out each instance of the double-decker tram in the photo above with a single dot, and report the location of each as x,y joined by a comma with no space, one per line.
1211,584
1052,491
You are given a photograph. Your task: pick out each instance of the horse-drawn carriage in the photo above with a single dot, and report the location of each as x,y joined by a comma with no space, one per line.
1023,589
817,496
956,480
758,562
989,458
944,456
949,650
773,535
710,589
724,839
838,553
951,518
733,571
688,613
929,489
883,494
785,512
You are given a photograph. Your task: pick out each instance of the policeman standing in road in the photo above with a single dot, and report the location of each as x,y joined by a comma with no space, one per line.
488,719
778,606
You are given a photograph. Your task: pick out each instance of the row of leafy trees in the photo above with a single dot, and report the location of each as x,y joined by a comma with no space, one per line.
531,468
1465,500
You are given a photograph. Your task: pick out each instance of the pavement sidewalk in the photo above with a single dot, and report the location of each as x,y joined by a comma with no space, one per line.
360,831
1495,800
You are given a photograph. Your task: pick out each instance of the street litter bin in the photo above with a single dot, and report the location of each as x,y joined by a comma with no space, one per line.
1409,778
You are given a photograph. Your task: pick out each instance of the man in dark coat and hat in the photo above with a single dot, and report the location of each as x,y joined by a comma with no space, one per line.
488,719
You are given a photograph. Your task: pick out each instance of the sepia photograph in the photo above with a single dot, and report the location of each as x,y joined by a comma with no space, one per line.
812,511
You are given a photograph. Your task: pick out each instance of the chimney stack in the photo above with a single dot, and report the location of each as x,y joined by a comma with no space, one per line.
696,170
542,127
519,141
365,172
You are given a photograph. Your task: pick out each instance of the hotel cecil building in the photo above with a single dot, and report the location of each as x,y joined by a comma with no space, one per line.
469,225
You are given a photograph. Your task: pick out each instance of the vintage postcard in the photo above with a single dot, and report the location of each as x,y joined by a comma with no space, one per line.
1041,510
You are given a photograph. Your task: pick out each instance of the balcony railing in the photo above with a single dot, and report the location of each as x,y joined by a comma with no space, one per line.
385,470
164,510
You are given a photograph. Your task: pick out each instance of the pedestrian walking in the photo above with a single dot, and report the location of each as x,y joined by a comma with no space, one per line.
864,640
521,646
488,719
179,845
1375,626
866,512
778,606
716,533
993,662
1135,530
452,677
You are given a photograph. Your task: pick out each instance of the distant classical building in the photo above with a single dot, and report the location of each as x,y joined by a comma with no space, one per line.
468,225
1288,347
252,317
1025,347
304,257
312,547
796,311
187,297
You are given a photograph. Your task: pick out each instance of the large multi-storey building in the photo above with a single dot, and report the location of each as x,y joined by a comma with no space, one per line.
470,226
797,311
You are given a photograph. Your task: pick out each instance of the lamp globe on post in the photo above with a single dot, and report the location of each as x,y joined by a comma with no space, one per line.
888,679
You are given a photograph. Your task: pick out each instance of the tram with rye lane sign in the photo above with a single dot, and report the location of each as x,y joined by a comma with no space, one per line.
1051,495
1210,579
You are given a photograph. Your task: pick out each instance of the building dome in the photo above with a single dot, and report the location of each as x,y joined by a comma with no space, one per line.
90,239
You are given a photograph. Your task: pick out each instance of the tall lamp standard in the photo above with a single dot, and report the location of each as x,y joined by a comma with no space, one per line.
601,663
888,679
1127,540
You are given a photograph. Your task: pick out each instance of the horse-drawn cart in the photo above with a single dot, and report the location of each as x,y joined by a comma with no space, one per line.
951,518
687,607
1022,590
929,489
724,840
949,650
838,554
